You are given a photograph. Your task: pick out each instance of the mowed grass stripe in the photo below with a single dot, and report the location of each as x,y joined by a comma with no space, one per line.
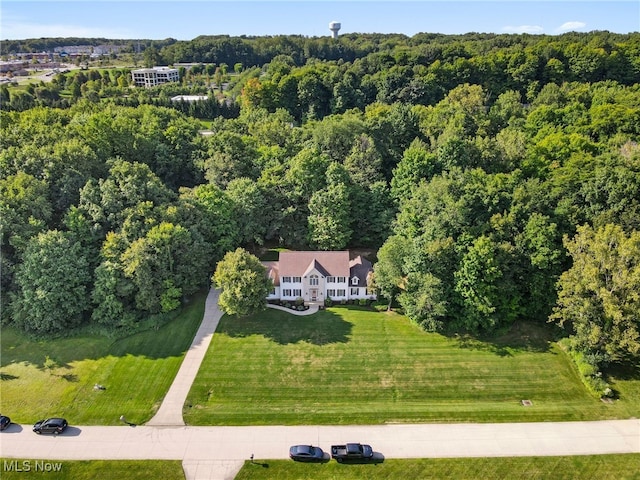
348,365
604,467
14,469
136,370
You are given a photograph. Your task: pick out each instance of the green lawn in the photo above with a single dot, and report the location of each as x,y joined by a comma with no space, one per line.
352,366
602,467
92,470
136,371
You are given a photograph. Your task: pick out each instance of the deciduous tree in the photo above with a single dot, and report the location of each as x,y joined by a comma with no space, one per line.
330,218
599,296
388,270
243,282
53,282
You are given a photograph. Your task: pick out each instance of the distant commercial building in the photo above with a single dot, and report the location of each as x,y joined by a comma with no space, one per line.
88,49
189,98
13,66
187,65
150,77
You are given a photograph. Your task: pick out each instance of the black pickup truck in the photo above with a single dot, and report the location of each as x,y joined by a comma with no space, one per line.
351,451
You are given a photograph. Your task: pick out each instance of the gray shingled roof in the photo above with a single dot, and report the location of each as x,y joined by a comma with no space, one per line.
360,267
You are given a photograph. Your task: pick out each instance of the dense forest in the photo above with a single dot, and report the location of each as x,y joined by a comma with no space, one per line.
496,176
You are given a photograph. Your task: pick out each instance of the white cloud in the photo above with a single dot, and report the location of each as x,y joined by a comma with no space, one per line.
523,29
571,26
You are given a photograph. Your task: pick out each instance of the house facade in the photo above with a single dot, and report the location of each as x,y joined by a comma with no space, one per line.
315,276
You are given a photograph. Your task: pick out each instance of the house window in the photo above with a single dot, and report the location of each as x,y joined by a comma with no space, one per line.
297,292
354,291
273,291
341,292
331,292
286,292
331,279
342,279
355,280
313,280
286,279
297,279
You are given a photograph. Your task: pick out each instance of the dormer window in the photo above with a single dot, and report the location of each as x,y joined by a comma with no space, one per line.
355,281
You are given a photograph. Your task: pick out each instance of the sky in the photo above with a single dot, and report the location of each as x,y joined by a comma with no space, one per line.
185,20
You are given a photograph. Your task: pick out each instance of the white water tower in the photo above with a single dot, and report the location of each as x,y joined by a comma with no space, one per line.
335,28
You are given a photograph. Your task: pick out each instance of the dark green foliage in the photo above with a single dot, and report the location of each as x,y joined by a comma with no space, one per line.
329,215
487,150
53,284
243,282
482,281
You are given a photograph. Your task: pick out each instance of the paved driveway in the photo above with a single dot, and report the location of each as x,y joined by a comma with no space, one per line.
170,411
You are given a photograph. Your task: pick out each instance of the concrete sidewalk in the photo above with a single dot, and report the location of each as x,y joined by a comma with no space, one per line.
215,452
170,411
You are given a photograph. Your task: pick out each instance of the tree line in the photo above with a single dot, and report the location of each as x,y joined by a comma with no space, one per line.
490,192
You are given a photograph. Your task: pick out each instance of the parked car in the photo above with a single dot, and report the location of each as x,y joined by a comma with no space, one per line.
306,453
351,451
4,422
50,425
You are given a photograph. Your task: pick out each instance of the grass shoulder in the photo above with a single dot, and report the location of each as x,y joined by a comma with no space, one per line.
613,467
94,469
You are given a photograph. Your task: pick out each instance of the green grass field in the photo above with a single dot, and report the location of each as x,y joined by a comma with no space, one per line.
136,371
352,366
92,470
602,467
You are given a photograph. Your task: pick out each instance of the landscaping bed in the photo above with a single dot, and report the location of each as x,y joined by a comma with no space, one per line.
291,305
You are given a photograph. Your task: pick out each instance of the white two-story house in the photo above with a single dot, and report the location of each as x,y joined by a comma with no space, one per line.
315,276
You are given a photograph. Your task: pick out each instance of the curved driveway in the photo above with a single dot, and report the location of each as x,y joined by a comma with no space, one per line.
218,452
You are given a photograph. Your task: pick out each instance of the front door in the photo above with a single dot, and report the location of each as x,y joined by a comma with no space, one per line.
314,294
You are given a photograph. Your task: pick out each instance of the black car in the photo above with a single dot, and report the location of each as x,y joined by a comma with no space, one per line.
4,422
306,453
50,425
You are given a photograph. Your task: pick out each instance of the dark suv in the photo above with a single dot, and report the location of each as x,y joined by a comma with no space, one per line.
50,425
4,422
